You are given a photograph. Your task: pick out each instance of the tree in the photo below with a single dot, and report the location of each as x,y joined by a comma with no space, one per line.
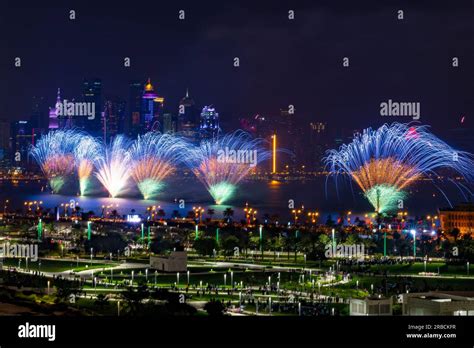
211,212
134,298
205,246
101,300
66,288
228,213
229,244
277,243
214,308
176,214
455,232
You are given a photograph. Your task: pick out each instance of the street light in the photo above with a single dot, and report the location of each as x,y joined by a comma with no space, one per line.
333,240
413,232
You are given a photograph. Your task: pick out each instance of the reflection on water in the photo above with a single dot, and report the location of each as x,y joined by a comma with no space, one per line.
270,198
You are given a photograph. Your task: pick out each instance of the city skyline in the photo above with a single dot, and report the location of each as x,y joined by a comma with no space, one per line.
318,85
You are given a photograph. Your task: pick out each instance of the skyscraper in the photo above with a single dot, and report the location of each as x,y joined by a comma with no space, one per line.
318,144
209,125
92,93
188,117
113,117
4,141
39,113
23,136
53,121
132,124
152,106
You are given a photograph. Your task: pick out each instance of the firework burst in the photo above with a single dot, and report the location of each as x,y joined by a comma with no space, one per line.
153,158
85,154
386,161
54,154
113,166
221,163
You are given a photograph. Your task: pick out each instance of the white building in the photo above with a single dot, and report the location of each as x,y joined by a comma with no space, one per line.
439,303
177,261
371,306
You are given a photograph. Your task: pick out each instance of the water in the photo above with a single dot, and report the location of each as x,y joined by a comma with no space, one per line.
267,197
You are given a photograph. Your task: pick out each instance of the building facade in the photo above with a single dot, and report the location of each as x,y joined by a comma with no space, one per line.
460,217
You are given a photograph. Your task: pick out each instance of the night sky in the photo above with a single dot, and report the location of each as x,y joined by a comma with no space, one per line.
282,61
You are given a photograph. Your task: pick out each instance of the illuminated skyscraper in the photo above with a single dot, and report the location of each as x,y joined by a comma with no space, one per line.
92,93
53,117
188,117
318,144
39,113
209,125
132,125
152,105
113,118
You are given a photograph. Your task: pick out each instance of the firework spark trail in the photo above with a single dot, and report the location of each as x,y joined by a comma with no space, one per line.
386,161
221,163
154,157
113,166
86,153
54,154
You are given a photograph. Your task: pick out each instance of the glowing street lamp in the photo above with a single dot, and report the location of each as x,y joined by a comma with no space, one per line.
198,213
89,231
313,216
296,212
413,232
333,232
40,229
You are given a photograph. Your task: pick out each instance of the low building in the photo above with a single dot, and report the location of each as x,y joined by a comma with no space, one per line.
177,261
439,303
461,217
371,306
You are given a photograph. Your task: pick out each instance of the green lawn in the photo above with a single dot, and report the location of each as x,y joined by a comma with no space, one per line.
54,265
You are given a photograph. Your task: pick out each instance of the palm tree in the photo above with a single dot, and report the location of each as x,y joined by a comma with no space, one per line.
210,212
161,213
455,233
228,213
176,214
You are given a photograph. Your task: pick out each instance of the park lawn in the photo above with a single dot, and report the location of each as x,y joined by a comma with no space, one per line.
54,265
418,267
255,278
